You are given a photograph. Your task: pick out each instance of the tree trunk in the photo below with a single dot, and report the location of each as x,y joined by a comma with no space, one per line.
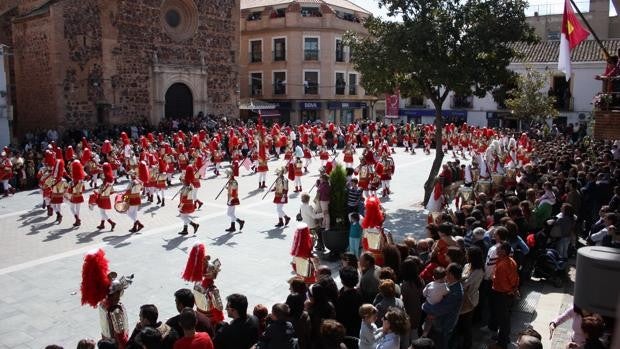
430,181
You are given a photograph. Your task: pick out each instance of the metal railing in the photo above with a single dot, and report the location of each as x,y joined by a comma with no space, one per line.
311,55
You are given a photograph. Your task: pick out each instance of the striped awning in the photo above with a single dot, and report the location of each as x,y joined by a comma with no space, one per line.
255,104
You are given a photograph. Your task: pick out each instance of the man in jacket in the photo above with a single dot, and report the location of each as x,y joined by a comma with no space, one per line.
444,314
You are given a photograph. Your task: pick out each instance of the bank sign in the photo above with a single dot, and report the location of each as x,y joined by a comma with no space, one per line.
309,105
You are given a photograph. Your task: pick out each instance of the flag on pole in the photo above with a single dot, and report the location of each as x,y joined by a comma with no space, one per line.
247,163
572,34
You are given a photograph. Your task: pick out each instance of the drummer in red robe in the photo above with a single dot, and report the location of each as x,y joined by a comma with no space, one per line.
103,199
76,189
58,188
186,204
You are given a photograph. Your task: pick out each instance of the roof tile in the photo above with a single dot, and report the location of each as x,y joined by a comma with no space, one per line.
548,51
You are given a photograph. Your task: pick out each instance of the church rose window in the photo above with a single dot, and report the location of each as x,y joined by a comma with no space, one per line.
179,19
173,18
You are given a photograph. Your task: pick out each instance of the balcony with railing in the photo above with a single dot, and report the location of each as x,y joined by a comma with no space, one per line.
279,89
255,57
311,88
462,102
311,55
278,56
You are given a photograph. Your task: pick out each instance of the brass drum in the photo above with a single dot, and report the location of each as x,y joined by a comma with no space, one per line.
484,185
466,193
373,236
303,266
121,203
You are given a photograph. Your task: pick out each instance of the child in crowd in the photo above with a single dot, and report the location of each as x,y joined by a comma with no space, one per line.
261,312
434,293
355,233
368,331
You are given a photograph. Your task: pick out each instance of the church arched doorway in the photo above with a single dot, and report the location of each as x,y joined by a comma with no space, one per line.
179,102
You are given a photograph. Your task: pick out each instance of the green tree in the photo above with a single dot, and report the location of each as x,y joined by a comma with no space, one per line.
527,101
439,47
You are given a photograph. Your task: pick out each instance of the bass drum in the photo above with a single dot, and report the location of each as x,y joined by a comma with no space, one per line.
121,205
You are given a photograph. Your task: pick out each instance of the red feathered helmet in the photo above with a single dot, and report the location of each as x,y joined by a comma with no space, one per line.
202,135
143,172
124,135
126,141
87,155
162,165
69,153
150,137
108,177
374,216
180,148
181,135
59,169
106,148
144,143
189,175
196,141
195,263
50,158
85,143
77,171
95,281
168,149
58,151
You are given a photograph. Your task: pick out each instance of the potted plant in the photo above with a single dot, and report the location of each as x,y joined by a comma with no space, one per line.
336,239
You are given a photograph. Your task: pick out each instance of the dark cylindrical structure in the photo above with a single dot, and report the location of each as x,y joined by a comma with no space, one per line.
597,284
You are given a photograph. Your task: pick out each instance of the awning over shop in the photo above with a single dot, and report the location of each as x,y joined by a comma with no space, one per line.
255,104
270,113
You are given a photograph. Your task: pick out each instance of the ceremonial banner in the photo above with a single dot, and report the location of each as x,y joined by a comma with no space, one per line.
391,105
572,34
247,164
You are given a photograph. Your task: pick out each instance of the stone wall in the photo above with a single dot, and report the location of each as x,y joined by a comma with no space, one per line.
83,62
34,78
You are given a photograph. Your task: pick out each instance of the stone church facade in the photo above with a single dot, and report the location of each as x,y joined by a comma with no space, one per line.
80,63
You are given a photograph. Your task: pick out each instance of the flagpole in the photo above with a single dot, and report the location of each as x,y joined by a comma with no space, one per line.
598,41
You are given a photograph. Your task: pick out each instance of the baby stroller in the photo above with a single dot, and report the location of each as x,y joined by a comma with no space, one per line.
547,263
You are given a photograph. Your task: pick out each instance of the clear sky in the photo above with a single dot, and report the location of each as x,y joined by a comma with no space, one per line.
542,6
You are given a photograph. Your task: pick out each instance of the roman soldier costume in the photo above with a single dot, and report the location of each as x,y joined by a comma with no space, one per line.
298,173
373,237
388,171
162,180
365,173
203,272
58,188
76,189
307,157
103,289
281,198
103,198
186,204
134,192
6,173
348,156
233,200
301,250
262,165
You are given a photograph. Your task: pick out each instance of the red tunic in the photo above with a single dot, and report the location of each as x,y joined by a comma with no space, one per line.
103,200
76,193
348,156
187,204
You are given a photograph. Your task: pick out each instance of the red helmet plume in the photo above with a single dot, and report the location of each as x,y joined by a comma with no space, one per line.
195,262
374,216
189,175
77,171
95,281
143,172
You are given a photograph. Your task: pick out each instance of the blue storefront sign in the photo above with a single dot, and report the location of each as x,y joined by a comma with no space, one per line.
346,105
309,105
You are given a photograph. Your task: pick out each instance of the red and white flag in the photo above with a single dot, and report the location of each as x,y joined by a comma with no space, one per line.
246,163
572,34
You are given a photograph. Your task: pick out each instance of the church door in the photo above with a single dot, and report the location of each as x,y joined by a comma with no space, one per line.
179,102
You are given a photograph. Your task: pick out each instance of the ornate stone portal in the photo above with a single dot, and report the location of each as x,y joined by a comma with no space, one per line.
164,76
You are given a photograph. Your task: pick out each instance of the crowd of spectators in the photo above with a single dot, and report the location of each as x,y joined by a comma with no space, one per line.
464,274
